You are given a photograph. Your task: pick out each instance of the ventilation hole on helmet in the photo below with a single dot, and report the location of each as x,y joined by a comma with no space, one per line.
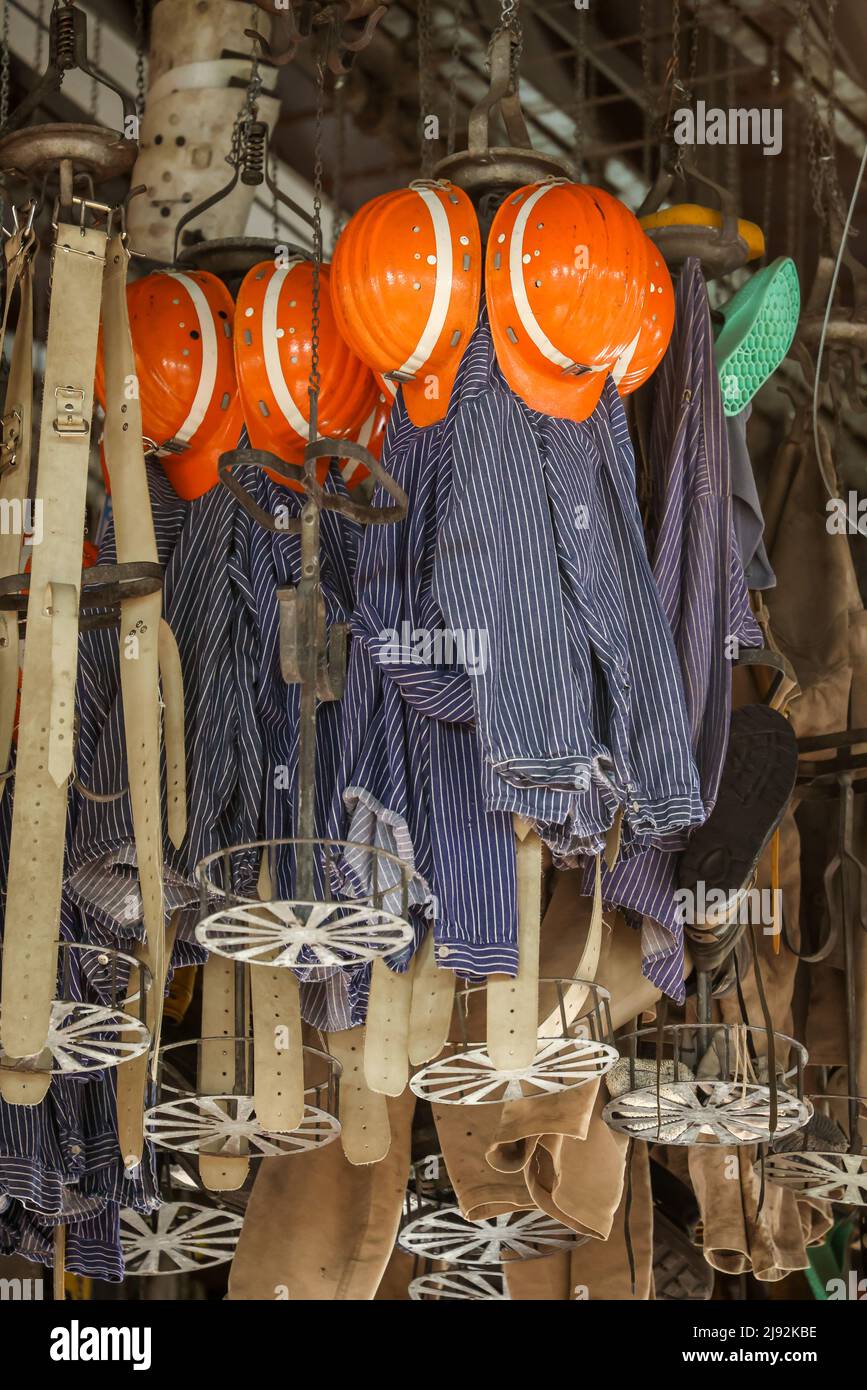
181,140
416,285
511,335
158,139
467,261
501,238
248,337
176,301
465,241
194,333
292,303
294,361
431,260
248,313
456,337
279,333
227,329
417,256
186,352
291,330
221,314
497,261
526,258
165,212
537,252
226,401
416,229
264,409
538,284
453,199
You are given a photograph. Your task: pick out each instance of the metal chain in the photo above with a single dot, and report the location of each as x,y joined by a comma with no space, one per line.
454,69
339,162
425,52
768,201
793,180
580,105
821,144
5,80
510,19
41,30
732,164
275,203
649,98
315,379
96,58
140,39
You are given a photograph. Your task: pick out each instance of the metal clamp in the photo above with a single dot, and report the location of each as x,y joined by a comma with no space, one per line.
69,419
331,644
9,441
364,514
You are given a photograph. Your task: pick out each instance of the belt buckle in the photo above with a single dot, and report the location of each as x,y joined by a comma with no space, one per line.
9,441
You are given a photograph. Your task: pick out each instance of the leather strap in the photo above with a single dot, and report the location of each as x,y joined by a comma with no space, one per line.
219,1173
588,966
430,1014
17,428
365,1128
132,1076
39,812
173,734
278,1055
386,1044
139,617
513,1004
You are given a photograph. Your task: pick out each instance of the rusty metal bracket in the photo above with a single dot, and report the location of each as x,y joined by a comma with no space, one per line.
720,249
295,24
363,513
331,647
482,168
67,50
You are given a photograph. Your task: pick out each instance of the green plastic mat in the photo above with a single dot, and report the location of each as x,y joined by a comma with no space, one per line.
759,323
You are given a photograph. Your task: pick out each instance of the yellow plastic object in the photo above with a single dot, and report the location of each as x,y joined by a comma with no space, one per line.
694,215
180,993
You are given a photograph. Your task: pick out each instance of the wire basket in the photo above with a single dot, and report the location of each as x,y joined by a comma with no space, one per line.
183,1119
575,1046
705,1084
827,1174
313,937
88,1034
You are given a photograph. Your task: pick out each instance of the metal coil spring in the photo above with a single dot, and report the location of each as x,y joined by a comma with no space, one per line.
255,150
63,36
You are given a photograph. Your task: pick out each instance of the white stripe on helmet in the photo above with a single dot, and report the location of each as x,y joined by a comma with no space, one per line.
208,376
270,342
442,285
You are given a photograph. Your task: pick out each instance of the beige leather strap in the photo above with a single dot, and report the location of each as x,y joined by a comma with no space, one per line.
17,426
365,1128
513,1004
173,734
139,617
132,1076
433,996
575,995
386,1044
58,1282
39,812
278,1055
217,1067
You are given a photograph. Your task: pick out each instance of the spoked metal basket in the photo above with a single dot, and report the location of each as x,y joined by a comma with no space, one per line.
825,1173
706,1084
575,1046
433,1229
186,1120
315,936
459,1285
190,1231
105,1029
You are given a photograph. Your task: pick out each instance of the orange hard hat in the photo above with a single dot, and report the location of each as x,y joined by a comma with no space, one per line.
371,435
181,327
648,347
273,349
407,280
565,282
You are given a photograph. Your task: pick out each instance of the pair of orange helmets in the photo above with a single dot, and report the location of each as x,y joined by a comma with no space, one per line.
575,291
